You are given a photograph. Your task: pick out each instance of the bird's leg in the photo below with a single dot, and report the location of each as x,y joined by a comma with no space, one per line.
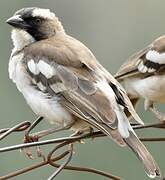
48,132
79,132
36,136
149,106
158,114
29,138
51,130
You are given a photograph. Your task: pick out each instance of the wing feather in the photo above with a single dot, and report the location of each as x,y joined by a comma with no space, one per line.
130,67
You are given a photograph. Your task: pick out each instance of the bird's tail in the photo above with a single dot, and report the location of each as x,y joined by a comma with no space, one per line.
151,168
131,139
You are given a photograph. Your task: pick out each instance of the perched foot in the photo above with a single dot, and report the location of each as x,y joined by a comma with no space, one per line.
27,151
158,114
35,137
148,105
80,132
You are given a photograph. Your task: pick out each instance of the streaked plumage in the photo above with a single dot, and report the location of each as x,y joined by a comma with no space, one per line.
62,81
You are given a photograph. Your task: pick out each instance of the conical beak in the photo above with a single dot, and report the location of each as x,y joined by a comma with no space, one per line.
17,22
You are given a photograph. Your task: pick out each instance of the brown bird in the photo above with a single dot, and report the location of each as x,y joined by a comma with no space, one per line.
63,82
143,76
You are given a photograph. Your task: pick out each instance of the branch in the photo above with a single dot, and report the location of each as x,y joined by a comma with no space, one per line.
61,142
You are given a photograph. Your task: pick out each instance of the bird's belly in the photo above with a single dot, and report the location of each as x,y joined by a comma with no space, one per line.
152,88
40,103
47,107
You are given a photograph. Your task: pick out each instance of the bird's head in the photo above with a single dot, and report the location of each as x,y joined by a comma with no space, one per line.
34,24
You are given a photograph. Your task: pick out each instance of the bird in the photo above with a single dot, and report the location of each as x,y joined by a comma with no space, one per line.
143,76
62,81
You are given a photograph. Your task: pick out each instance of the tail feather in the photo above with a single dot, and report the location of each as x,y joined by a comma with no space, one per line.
115,136
130,138
151,168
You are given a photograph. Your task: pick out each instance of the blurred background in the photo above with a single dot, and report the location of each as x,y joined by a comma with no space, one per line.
113,30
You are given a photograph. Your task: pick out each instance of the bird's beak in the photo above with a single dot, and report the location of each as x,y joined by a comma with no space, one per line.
17,22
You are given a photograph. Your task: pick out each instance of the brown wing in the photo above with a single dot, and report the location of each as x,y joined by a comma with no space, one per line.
130,67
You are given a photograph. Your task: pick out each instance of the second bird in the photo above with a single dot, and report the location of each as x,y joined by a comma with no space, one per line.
144,76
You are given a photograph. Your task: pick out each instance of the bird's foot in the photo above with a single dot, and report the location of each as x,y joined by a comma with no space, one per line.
27,150
81,132
158,114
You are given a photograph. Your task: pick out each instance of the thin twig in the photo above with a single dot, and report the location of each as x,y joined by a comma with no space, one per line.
63,165
40,143
33,125
160,125
23,126
72,139
18,127
75,168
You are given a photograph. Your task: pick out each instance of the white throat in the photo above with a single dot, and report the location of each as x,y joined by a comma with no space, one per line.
21,39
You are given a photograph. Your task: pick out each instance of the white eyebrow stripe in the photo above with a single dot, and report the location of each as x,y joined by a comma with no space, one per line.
32,66
45,13
47,70
156,57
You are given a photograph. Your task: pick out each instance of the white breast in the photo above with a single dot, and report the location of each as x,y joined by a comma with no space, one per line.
37,100
21,39
152,88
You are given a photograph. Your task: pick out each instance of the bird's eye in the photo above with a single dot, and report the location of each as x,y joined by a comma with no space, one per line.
38,21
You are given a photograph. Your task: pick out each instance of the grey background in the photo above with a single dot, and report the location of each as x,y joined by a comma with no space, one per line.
113,30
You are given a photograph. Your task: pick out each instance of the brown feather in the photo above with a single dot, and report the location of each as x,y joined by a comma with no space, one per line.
142,153
130,67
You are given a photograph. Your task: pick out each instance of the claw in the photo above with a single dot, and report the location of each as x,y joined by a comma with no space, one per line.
158,114
82,141
40,153
28,153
